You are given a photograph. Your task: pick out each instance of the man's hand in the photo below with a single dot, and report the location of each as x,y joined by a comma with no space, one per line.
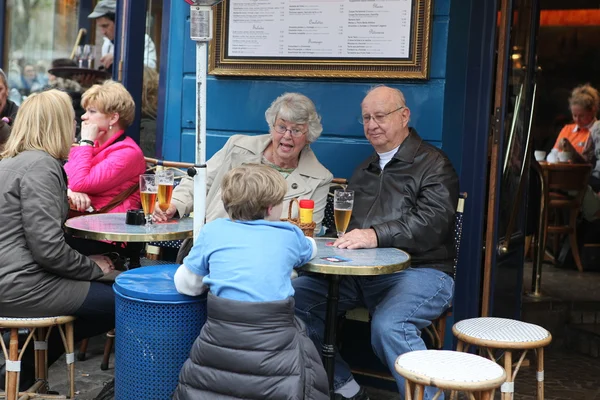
357,239
107,60
104,263
81,201
162,216
89,131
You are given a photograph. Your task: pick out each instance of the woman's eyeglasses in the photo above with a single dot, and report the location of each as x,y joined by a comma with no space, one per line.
282,129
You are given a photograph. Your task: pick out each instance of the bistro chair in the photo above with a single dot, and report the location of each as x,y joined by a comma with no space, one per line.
436,331
449,370
39,331
508,336
564,186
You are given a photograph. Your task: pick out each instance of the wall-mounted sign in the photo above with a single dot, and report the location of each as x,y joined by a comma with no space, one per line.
322,38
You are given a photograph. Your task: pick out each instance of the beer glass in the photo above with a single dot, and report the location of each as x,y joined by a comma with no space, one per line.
343,200
165,180
148,192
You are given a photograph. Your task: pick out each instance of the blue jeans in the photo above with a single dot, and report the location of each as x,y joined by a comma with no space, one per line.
401,305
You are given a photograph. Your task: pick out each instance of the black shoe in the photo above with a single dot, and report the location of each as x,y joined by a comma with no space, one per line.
361,395
26,379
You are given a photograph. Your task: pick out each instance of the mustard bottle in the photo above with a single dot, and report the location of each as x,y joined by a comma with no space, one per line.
306,211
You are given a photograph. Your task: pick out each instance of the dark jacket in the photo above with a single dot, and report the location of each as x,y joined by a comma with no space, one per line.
40,275
411,203
252,351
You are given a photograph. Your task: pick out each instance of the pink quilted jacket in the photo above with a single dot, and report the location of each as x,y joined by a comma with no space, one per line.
104,172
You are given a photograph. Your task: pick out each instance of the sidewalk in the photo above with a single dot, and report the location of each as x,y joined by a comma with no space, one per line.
568,376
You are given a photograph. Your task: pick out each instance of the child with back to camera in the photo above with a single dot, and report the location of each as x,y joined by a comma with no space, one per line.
252,345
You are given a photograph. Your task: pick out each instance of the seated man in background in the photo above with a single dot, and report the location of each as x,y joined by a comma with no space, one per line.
104,13
405,197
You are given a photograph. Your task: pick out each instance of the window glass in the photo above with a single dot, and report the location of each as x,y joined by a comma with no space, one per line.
37,32
150,87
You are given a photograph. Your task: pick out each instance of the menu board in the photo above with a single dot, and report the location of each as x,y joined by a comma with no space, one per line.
322,38
332,29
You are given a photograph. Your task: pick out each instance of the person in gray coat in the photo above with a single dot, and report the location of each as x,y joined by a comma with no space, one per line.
40,275
252,346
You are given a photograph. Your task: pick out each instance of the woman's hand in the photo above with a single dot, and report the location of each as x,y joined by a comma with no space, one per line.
104,263
81,201
89,131
162,216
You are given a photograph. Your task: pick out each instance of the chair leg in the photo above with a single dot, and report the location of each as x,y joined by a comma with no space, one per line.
441,330
41,355
108,345
419,391
540,373
573,241
70,348
82,349
12,382
508,386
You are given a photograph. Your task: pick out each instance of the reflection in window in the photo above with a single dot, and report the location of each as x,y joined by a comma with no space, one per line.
37,32
150,87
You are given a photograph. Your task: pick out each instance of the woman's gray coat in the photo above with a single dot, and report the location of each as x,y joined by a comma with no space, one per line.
252,351
40,275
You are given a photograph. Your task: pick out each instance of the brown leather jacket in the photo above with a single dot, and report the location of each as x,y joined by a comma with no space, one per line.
411,203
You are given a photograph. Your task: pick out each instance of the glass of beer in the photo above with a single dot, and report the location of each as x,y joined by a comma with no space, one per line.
343,200
148,193
165,180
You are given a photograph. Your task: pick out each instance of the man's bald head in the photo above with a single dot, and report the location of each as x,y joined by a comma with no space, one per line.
385,118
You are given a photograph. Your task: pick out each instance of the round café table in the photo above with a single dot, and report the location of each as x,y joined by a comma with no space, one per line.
336,263
112,226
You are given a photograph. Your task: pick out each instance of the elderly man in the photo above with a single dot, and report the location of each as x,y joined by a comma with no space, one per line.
104,14
405,197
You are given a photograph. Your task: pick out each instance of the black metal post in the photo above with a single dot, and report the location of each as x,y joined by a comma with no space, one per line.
330,325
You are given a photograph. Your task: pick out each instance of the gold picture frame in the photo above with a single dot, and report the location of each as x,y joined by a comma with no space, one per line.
415,66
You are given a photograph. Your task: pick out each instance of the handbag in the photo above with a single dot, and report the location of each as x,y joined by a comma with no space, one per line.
116,201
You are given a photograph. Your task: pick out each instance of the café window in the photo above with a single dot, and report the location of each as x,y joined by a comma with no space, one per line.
36,33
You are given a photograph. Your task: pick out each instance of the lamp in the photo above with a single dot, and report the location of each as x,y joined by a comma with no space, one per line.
201,28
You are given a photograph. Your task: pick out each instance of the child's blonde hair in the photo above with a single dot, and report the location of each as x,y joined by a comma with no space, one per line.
248,191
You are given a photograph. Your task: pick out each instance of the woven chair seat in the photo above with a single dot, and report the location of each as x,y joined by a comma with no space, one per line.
450,370
39,322
501,333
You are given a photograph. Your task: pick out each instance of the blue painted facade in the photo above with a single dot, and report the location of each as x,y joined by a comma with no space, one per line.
237,105
450,110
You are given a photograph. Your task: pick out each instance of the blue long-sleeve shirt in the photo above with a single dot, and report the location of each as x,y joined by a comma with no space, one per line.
246,260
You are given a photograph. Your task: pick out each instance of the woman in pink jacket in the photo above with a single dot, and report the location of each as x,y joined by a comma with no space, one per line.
107,164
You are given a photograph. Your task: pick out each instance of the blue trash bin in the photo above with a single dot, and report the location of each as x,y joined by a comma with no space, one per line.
155,330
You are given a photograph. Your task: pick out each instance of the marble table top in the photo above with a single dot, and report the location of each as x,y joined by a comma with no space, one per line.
112,226
378,261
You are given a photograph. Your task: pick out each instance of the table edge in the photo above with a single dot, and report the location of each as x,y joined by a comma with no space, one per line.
346,270
126,237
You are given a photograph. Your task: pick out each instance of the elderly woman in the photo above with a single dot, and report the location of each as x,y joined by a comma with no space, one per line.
40,274
107,163
8,109
294,124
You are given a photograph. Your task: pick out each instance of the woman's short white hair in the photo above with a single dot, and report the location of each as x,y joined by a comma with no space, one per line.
298,109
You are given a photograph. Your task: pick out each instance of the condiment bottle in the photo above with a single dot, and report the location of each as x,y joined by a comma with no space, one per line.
306,211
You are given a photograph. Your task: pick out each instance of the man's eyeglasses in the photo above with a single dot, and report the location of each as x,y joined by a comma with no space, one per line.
379,118
282,129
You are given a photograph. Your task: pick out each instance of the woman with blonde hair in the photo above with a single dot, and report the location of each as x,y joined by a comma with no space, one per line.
575,138
40,274
104,169
107,163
